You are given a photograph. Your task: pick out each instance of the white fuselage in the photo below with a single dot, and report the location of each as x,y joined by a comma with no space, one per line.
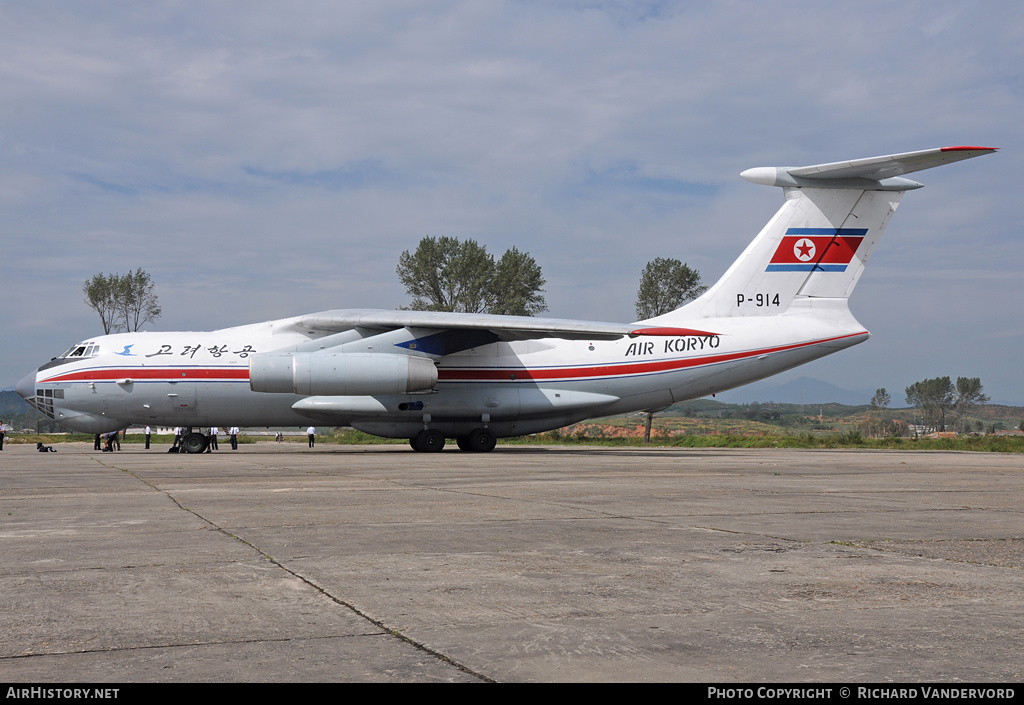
202,378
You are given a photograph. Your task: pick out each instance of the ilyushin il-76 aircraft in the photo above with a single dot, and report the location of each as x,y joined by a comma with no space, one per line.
432,376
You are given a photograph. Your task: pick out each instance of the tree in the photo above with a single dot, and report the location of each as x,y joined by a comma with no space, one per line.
933,396
101,294
881,399
123,302
665,285
517,285
139,304
968,394
445,274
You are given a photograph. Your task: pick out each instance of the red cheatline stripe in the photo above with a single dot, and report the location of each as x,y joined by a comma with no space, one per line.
170,374
670,332
174,374
959,149
617,370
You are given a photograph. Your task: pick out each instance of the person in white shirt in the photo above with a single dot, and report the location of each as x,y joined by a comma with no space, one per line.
311,432
148,432
213,439
233,431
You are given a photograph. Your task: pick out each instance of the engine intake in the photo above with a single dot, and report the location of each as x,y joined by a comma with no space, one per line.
340,374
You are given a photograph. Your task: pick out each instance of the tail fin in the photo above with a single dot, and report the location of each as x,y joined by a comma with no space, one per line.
818,243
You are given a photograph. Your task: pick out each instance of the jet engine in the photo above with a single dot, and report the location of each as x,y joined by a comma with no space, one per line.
340,374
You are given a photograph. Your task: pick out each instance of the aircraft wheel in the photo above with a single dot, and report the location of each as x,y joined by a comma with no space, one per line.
194,443
481,440
428,440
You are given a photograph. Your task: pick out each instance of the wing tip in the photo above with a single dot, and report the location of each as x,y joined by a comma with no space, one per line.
965,148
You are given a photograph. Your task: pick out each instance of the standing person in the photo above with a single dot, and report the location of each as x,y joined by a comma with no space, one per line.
117,439
96,443
213,439
148,431
311,432
3,432
177,436
234,437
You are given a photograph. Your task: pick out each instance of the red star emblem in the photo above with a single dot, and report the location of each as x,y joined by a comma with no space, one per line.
803,249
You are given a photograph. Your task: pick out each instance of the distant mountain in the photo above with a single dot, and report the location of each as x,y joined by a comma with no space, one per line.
802,390
11,403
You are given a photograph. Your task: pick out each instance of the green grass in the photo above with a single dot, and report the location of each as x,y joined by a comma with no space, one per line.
352,437
992,444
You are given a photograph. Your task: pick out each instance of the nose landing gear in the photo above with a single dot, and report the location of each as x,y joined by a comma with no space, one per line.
194,442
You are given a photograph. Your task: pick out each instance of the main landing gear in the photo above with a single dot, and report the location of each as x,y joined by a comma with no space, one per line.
430,440
479,440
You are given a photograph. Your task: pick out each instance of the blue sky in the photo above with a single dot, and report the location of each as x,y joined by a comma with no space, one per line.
262,160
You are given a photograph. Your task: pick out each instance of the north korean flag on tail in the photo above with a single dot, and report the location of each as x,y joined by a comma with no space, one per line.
816,249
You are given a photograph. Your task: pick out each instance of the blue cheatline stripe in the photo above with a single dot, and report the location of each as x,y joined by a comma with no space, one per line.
809,267
850,232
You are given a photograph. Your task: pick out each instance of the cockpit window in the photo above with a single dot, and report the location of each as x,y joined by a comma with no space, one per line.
82,350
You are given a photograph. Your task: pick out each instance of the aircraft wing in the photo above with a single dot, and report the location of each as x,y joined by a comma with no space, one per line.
504,328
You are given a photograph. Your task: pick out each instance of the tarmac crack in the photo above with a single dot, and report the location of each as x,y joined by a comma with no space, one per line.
393,632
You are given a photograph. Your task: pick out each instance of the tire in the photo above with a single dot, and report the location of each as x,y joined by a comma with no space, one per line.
479,440
429,440
482,440
194,443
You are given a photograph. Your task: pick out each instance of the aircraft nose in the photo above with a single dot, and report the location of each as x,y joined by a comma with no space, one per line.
27,386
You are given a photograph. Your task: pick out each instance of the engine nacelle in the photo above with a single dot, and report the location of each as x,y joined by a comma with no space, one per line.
340,374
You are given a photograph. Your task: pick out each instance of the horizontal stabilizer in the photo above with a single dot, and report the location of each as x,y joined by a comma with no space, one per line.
883,172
